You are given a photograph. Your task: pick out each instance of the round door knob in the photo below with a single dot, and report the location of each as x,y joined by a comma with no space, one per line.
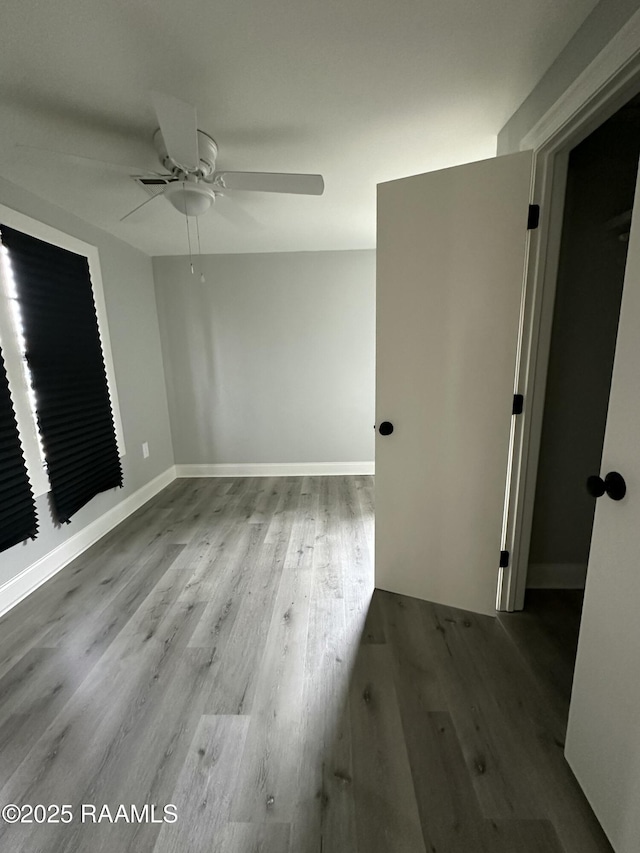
595,486
385,428
613,484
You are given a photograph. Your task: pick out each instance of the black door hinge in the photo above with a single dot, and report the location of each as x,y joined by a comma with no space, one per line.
534,217
518,404
504,559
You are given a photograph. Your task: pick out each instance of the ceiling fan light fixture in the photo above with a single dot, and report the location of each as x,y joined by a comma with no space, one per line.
190,198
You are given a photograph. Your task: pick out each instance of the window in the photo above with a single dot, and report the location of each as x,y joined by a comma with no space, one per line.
51,323
18,520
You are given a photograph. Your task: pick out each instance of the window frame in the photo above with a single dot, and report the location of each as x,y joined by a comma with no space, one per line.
14,362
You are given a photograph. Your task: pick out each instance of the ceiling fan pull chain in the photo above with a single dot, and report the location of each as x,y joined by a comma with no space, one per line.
186,221
199,251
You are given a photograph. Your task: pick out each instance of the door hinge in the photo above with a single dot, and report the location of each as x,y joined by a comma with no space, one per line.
518,404
534,217
504,559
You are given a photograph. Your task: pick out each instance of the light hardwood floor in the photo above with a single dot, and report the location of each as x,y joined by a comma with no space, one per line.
221,650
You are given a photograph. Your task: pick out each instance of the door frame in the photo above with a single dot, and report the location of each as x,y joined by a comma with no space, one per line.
611,80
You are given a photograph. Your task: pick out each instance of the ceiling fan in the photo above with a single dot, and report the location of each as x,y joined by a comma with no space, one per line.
188,155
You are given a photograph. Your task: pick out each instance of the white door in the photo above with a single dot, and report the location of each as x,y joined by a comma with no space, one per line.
450,267
603,737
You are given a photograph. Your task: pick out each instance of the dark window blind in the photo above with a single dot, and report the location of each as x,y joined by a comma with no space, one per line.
18,520
64,355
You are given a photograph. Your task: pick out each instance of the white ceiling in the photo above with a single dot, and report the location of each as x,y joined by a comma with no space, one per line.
361,91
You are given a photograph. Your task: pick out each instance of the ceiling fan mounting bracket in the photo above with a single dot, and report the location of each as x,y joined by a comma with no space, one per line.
207,152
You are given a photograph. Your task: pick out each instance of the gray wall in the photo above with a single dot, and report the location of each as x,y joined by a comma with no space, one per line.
132,317
271,360
608,17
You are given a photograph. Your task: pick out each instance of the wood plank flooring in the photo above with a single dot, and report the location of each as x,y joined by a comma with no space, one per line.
223,650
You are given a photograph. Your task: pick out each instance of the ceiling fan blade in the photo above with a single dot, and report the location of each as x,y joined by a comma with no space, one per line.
179,126
135,209
140,170
270,182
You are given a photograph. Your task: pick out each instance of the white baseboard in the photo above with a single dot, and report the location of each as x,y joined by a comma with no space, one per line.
29,579
556,576
276,469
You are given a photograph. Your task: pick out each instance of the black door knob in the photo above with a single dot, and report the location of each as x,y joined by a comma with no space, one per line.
613,484
385,428
595,486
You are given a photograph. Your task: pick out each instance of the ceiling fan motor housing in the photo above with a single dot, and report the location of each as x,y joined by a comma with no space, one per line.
207,151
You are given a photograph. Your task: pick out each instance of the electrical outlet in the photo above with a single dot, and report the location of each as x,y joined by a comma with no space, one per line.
145,449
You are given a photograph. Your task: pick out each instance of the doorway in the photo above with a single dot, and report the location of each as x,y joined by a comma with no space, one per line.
599,196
